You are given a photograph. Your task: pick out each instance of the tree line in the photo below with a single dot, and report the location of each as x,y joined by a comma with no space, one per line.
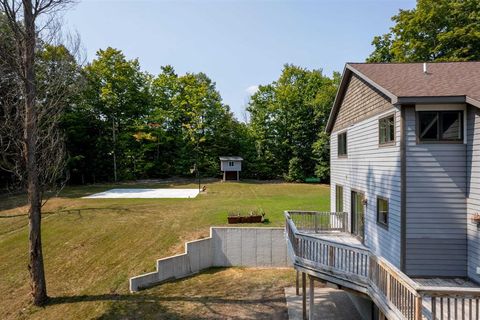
122,123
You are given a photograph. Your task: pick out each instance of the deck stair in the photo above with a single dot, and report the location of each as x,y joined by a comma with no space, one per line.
314,245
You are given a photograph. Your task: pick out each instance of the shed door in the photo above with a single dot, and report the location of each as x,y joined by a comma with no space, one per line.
230,175
358,215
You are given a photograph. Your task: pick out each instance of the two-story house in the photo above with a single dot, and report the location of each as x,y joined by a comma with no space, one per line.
405,191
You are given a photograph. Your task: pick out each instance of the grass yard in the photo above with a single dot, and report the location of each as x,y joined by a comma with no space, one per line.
92,246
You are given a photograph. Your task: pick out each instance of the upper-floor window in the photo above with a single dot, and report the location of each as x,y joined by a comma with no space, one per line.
440,126
342,144
386,132
231,164
382,211
338,198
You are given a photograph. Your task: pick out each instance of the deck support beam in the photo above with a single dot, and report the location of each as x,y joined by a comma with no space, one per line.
297,283
311,307
304,296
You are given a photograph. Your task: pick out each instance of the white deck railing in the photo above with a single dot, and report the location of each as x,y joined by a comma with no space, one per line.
397,295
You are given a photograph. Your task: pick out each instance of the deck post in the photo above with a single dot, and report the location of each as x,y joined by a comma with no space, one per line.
311,305
297,284
418,308
304,296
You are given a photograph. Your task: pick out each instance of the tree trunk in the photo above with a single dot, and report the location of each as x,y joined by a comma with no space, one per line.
114,151
36,269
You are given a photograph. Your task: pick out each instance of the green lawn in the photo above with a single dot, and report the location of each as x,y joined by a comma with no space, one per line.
92,246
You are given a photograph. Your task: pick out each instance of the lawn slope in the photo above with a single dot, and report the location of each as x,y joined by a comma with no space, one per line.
92,247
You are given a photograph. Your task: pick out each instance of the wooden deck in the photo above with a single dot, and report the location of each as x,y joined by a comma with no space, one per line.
344,238
446,282
321,248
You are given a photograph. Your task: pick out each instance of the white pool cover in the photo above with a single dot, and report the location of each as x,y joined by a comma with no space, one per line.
145,193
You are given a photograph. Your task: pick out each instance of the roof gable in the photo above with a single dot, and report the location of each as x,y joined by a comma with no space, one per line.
443,82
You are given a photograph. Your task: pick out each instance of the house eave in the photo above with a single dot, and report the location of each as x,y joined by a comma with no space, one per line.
347,72
431,100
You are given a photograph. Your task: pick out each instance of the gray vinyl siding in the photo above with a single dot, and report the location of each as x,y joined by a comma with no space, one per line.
436,182
375,171
473,190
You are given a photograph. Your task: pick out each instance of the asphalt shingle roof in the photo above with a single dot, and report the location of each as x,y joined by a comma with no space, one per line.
408,79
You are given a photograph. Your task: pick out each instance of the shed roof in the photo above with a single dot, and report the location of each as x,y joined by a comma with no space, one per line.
232,158
403,83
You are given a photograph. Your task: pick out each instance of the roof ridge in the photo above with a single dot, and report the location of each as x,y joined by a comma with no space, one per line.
432,62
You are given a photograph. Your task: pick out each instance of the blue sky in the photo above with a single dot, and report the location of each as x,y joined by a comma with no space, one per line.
239,44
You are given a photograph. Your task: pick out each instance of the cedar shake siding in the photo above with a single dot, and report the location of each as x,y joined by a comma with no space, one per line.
436,226
473,190
361,101
368,168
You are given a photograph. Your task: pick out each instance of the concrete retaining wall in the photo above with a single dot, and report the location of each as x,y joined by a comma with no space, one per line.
226,247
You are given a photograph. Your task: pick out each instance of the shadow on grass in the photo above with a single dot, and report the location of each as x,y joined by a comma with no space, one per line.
139,306
12,200
149,298
75,211
155,305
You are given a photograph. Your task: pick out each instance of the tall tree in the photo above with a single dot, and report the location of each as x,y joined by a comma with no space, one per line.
436,30
117,92
37,146
287,117
191,113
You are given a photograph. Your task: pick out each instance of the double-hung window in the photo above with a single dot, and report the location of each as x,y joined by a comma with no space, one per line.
386,128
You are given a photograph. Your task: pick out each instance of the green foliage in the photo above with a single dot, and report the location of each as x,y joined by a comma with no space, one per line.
99,127
150,126
436,30
295,170
288,117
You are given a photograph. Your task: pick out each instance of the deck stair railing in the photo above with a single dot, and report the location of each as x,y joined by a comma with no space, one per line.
450,303
397,295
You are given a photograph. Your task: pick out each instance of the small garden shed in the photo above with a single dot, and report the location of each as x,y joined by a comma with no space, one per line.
231,167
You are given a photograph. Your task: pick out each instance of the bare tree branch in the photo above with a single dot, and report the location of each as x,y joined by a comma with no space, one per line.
37,82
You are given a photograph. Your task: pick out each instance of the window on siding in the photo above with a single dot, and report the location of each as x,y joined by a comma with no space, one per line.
231,164
342,144
386,130
440,125
382,211
339,198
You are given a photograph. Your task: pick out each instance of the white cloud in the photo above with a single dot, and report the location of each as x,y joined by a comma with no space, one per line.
251,90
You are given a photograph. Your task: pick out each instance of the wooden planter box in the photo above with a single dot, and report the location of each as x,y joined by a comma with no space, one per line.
234,219
246,219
